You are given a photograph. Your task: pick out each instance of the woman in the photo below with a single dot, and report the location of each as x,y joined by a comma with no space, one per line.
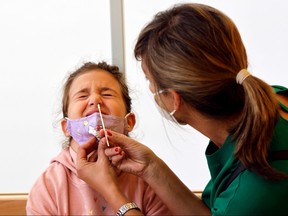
196,63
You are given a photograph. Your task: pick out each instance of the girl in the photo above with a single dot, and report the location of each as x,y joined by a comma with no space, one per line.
59,191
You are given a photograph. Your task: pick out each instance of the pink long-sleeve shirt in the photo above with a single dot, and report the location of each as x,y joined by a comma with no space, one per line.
58,191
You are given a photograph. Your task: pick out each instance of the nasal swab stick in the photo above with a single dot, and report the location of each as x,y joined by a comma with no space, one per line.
103,124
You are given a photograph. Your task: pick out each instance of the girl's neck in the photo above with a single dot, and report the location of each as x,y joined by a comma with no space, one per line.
74,145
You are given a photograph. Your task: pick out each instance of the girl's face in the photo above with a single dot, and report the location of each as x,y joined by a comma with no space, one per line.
91,88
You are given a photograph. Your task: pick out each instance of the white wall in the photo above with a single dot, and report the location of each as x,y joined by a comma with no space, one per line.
41,41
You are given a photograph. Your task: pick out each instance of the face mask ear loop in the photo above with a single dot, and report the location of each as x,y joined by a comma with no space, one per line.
126,123
127,115
159,92
172,113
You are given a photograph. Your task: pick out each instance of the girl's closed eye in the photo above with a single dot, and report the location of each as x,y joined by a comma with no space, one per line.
107,93
82,96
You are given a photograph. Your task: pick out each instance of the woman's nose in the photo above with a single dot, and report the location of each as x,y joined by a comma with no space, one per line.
94,99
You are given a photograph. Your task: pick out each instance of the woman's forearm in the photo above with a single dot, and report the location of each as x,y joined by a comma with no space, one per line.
173,192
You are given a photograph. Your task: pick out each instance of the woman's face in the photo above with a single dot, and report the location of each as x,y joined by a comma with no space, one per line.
91,88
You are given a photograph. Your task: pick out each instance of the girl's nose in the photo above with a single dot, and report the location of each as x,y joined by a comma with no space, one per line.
94,99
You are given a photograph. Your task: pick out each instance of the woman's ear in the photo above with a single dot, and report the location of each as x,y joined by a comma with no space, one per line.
64,127
176,99
131,121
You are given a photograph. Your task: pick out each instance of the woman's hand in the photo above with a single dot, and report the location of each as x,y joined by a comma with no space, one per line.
97,170
100,174
129,155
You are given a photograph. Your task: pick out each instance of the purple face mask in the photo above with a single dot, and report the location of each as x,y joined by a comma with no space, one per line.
85,128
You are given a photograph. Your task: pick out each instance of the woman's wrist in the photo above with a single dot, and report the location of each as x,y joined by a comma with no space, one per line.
114,196
152,170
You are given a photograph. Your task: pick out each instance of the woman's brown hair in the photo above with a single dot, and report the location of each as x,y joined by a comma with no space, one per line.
197,51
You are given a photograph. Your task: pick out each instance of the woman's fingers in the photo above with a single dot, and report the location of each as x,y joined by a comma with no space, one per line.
93,157
85,160
101,151
116,139
132,156
113,151
116,159
90,145
86,149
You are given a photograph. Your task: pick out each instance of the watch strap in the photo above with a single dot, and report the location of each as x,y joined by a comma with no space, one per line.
126,207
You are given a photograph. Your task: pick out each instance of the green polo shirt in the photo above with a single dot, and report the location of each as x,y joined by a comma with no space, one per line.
249,193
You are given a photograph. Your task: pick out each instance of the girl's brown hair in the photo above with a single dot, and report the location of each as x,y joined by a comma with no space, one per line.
197,51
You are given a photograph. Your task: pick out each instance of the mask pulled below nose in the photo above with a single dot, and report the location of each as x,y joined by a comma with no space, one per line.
85,128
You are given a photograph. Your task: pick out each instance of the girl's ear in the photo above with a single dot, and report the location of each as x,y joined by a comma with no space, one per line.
64,127
131,121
